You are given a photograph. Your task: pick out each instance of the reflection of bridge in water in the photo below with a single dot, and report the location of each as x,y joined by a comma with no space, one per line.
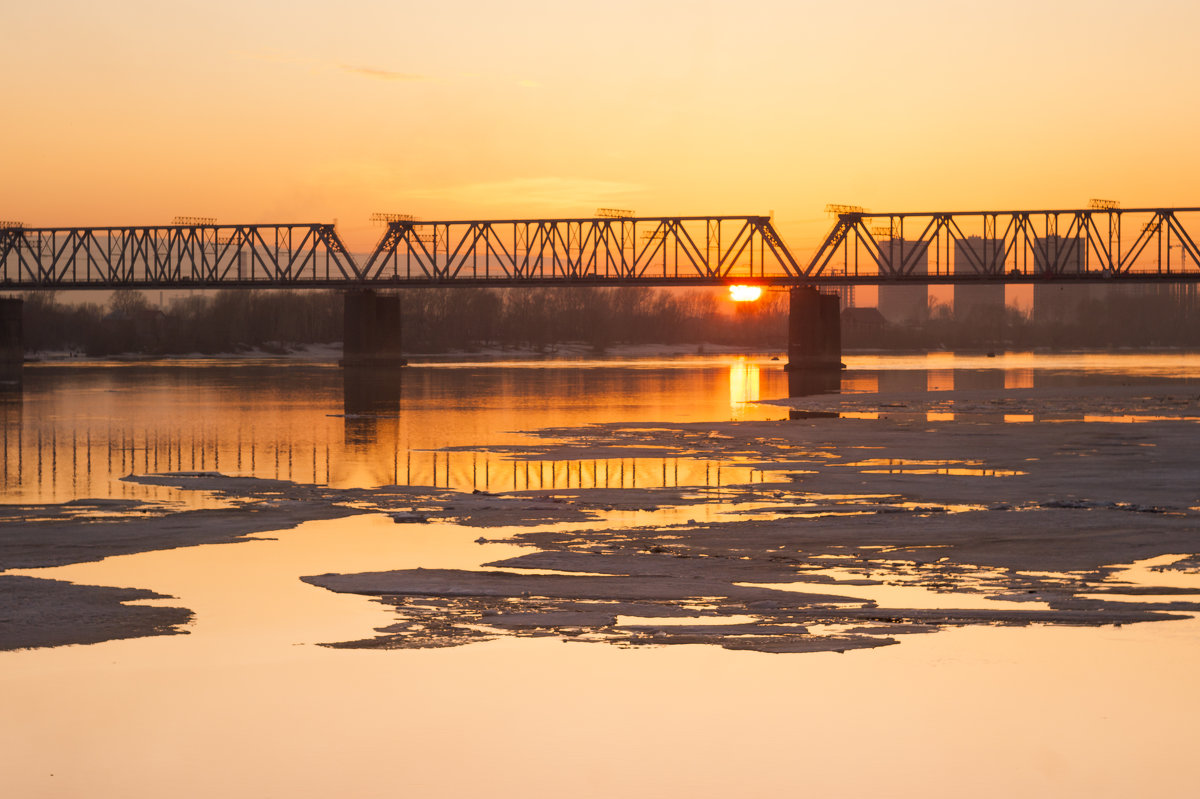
64,440
84,464
59,449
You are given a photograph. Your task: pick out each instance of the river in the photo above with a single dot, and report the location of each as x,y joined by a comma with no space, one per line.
248,702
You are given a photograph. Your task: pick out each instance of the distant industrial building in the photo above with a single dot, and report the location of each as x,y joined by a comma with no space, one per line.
974,255
902,304
862,327
1059,302
845,293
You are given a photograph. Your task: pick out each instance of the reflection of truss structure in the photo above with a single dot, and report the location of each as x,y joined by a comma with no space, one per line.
1101,242
1097,243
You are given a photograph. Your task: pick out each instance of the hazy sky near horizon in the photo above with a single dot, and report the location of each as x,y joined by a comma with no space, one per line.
131,112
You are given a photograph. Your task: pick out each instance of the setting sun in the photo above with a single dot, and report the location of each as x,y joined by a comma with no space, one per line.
745,293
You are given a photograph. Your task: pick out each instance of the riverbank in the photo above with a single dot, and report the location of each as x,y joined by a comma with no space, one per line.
332,353
576,352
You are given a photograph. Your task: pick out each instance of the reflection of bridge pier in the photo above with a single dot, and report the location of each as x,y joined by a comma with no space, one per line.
369,393
12,342
12,409
806,382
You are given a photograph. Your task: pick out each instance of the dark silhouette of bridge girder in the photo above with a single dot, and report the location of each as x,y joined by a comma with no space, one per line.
174,256
706,250
1009,246
600,250
861,249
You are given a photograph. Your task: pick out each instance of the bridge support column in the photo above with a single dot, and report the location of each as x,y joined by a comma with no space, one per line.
371,329
12,340
814,331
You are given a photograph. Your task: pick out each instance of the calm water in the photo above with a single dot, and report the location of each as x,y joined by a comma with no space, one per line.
247,705
76,429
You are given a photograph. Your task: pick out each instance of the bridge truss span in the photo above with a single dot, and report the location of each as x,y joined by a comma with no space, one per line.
601,250
862,248
1101,243
174,256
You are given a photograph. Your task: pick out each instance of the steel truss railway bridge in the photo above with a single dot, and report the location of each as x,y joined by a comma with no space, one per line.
1101,243
861,248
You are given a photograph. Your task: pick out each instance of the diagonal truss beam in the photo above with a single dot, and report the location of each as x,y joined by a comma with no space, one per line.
592,250
174,256
860,248
1009,246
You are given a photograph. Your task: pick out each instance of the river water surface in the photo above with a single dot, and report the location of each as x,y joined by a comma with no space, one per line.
249,704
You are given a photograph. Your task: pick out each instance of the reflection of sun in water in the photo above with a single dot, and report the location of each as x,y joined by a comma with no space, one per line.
743,386
745,293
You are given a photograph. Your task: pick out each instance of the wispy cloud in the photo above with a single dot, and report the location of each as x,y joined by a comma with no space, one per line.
381,74
549,192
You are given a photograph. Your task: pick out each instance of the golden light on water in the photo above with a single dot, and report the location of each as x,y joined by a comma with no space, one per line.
744,382
745,293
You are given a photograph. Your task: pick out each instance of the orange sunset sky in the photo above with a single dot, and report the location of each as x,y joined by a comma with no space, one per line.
133,112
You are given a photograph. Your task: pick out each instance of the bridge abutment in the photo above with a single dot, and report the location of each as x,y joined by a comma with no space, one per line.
12,339
371,329
814,331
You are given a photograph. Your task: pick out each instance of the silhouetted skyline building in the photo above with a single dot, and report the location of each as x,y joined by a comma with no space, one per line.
900,304
975,255
1057,301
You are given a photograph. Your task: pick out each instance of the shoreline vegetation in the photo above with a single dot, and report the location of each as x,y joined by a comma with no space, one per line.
572,321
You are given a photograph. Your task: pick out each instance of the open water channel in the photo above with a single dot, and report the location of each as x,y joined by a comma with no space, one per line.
247,702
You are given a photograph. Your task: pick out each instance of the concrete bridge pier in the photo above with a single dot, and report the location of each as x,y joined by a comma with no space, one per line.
12,340
371,329
814,331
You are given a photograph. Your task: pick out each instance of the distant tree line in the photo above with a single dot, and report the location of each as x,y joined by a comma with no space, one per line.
440,320
223,322
433,320
1114,320
1130,321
